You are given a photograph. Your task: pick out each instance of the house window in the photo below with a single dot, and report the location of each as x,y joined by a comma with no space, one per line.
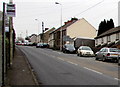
117,36
97,42
108,39
102,41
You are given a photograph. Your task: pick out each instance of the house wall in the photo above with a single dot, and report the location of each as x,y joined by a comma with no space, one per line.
98,41
51,40
46,35
39,39
112,39
33,39
81,28
105,39
57,40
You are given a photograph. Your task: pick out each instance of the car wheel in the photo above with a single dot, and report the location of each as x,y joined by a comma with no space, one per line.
77,54
116,61
104,59
96,58
80,54
65,51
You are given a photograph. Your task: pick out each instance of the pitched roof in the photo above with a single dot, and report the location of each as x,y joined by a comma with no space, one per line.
66,25
109,32
32,35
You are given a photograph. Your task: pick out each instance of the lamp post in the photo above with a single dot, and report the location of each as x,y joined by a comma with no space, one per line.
38,39
61,38
43,32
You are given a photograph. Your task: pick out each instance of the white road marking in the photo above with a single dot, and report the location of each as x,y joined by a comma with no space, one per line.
57,52
75,64
72,63
93,70
60,58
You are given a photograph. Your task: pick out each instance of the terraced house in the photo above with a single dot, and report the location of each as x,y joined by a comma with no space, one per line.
110,38
70,30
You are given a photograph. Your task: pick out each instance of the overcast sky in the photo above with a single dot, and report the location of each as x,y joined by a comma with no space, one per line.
94,11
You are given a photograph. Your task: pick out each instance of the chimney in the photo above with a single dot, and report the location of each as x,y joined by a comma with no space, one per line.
70,21
46,29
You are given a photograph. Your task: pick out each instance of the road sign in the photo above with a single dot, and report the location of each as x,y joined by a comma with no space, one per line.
6,29
11,10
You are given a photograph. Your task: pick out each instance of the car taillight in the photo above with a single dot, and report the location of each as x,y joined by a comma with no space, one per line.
108,54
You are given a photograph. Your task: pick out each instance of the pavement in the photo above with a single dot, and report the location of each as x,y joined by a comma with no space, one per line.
20,72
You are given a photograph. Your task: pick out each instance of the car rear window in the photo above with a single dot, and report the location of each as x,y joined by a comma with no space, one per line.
86,48
114,50
70,46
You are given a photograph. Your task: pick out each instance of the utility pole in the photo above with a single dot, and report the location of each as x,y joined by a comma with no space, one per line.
38,39
61,35
11,38
43,31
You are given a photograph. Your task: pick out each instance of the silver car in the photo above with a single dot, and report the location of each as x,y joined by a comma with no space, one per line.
85,51
108,53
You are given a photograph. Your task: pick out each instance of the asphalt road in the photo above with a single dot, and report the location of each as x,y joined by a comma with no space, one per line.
56,68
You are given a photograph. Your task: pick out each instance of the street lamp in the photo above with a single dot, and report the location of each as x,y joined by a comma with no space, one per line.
61,41
38,30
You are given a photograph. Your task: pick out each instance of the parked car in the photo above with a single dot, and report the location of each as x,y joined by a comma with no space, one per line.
42,45
69,48
39,45
45,45
29,44
85,51
108,53
18,43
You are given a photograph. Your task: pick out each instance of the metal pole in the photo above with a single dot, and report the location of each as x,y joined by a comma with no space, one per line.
61,42
38,33
11,41
38,39
11,38
43,31
3,44
61,38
